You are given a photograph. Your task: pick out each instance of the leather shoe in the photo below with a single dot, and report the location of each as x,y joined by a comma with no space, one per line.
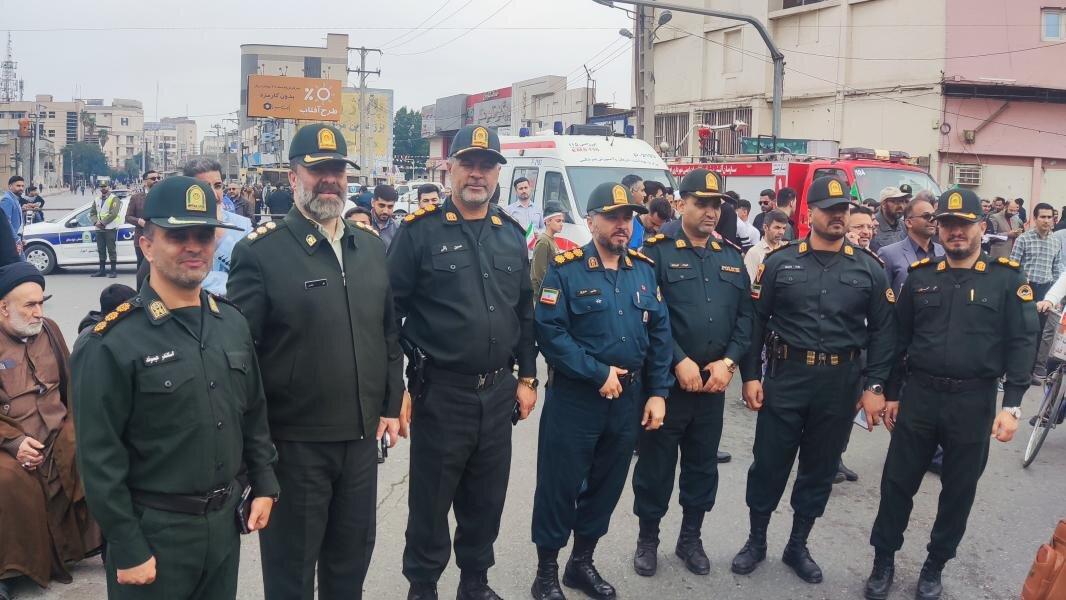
475,586
582,574
879,582
724,457
929,586
848,473
422,590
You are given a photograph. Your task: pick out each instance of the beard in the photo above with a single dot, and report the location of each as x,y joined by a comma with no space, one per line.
318,207
610,246
180,276
24,327
963,252
474,199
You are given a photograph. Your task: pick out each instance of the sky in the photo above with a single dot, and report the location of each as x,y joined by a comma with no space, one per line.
191,49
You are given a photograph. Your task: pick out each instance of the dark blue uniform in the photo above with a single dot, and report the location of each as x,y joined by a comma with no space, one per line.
589,319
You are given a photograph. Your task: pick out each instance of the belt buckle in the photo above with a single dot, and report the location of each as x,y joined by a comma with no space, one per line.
834,359
481,379
810,358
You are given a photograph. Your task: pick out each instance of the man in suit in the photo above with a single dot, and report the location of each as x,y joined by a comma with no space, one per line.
919,244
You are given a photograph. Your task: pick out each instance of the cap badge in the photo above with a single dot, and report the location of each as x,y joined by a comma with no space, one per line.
451,217
480,138
835,189
594,263
326,139
955,201
195,199
310,239
711,182
496,221
619,195
158,309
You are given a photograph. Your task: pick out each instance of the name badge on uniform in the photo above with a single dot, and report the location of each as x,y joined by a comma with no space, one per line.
315,283
589,292
157,359
680,266
730,269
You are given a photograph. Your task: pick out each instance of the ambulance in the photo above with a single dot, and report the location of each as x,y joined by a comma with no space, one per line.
566,168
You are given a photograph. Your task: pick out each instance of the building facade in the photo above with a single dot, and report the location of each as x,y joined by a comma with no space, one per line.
57,124
171,142
123,120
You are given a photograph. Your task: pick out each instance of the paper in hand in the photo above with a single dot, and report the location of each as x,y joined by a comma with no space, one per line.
860,419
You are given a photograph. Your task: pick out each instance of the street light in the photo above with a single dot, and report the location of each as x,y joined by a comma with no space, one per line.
625,33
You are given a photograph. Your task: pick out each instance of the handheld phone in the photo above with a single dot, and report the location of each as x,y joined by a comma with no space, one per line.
383,449
516,414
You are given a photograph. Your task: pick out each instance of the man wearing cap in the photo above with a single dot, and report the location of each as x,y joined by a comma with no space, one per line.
169,408
709,339
104,215
950,354
460,275
316,295
820,301
603,327
546,248
888,221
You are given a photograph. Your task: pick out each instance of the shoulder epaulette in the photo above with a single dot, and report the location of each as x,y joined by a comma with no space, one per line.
418,214
1006,262
367,228
569,256
655,239
224,300
731,244
120,312
873,254
263,230
636,254
919,263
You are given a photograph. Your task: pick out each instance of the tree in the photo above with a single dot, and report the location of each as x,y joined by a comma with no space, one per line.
87,159
407,139
132,168
102,136
88,122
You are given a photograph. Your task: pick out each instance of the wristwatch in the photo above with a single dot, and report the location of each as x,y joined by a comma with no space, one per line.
730,365
1014,411
531,382
876,388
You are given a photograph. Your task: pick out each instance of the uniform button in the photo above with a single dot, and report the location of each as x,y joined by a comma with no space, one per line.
452,267
623,338
617,291
492,340
218,466
508,269
710,319
854,281
203,346
212,385
708,299
218,425
821,316
619,313
485,275
707,279
167,384
956,286
492,308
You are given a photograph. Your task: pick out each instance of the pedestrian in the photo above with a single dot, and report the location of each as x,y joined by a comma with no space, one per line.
104,215
428,194
888,221
1020,203
645,226
11,204
244,204
920,222
231,196
170,409
950,356
546,248
33,204
209,171
1040,255
605,331
358,214
110,298
44,522
382,206
635,185
332,392
279,202
709,340
135,211
767,203
524,211
861,226
775,225
820,300
460,275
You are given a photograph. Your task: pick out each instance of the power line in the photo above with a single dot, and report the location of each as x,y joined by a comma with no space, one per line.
153,28
416,27
461,35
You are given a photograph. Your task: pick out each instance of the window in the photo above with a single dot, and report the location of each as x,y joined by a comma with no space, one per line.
129,139
51,133
672,129
726,141
732,47
312,66
1053,25
530,173
555,190
51,114
125,121
795,3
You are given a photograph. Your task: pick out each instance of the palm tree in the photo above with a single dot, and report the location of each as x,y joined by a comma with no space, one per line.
102,135
88,122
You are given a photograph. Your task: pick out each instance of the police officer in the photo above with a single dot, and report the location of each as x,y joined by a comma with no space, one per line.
821,300
964,320
603,327
315,291
170,405
705,286
460,275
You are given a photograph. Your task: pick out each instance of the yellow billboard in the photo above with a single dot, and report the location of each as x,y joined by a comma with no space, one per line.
300,98
379,126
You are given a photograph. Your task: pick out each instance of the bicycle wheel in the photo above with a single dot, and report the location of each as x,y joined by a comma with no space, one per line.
1044,418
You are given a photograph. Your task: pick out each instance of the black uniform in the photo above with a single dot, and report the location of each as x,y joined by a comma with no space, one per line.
465,291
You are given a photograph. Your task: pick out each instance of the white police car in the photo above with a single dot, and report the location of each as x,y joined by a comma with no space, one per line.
70,241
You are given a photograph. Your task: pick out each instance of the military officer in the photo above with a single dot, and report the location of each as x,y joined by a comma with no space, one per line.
169,406
820,300
603,327
460,274
316,294
964,321
705,286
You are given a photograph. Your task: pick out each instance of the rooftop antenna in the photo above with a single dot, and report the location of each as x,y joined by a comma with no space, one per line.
10,85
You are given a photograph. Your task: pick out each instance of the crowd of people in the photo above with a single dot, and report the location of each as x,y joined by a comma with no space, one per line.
257,376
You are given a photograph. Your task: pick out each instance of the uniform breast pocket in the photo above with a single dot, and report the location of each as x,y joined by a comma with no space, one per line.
165,398
984,311
588,318
239,363
508,269
682,285
924,301
855,289
452,262
734,279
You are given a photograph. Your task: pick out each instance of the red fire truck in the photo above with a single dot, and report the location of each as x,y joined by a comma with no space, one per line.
866,171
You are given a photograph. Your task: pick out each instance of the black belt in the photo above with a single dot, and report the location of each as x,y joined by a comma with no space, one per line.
192,504
947,384
478,382
630,378
813,358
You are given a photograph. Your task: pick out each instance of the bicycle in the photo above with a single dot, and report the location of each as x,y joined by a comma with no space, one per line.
1053,406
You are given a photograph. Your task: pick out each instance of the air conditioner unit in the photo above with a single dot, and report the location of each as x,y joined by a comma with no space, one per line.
968,175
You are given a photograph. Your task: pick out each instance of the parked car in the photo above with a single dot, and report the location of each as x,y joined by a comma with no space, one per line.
70,241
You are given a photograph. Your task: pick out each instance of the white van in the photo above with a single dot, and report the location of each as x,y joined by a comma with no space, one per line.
566,168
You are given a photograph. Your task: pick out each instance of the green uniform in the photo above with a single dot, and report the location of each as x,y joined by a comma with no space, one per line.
169,402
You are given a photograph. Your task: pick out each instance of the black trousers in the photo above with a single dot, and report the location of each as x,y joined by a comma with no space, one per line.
961,422
584,449
694,425
461,461
325,518
809,410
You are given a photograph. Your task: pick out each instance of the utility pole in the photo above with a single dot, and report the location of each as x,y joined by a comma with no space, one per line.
644,40
589,112
363,74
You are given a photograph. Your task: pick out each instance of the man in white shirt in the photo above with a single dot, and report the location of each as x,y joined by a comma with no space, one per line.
523,210
775,225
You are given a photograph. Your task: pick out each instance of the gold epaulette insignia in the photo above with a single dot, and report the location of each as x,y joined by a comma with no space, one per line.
636,254
112,317
367,228
655,239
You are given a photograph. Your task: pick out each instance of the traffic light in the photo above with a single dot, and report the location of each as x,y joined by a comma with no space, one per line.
24,128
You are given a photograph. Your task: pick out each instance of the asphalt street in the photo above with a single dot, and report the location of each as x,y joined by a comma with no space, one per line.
1015,512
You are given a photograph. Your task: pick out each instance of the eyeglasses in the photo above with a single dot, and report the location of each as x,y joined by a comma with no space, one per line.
928,217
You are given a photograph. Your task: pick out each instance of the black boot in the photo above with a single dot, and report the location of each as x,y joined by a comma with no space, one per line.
474,585
690,546
848,473
114,271
929,586
796,554
645,559
546,584
879,582
422,590
99,273
582,574
754,550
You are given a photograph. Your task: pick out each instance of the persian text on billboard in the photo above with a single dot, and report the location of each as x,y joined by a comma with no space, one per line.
300,98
